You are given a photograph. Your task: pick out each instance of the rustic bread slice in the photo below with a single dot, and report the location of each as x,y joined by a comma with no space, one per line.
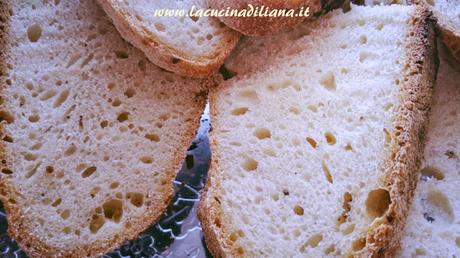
191,46
92,133
264,25
448,14
316,138
433,227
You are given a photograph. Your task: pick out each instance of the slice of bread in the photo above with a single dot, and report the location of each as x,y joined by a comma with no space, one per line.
190,46
433,227
254,26
92,133
317,137
448,14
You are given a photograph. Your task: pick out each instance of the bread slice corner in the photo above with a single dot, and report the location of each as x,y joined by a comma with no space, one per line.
189,46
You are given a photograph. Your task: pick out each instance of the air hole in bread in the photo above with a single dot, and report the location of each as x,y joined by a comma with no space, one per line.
66,230
119,195
160,26
313,241
130,92
6,116
88,172
123,116
379,26
249,95
30,156
7,171
430,172
194,18
239,111
146,159
34,118
61,98
48,94
121,54
327,80
262,133
330,138
136,199
113,210
49,170
349,229
269,152
313,108
94,191
359,244
327,172
7,138
152,137
57,202
116,102
97,221
240,250
329,250
361,22
438,207
346,206
363,56
250,164
104,124
275,197
457,241
34,32
377,202
70,150
298,210
363,39
114,185
65,214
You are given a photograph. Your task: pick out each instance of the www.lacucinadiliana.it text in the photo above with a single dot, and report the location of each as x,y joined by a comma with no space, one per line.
250,11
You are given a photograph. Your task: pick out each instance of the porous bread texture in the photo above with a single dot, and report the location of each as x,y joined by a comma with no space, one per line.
92,133
448,14
433,226
190,46
257,26
317,138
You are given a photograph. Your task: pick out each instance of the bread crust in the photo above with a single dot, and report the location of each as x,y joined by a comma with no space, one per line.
18,227
404,159
403,163
167,57
257,26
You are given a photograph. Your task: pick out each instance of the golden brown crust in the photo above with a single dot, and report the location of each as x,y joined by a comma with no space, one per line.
18,227
404,160
257,26
161,54
420,67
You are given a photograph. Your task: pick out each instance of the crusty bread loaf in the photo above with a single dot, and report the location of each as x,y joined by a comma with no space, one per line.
433,227
317,137
92,133
264,25
447,13
190,46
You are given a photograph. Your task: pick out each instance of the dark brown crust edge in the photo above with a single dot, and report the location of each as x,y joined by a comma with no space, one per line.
18,228
384,235
420,68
